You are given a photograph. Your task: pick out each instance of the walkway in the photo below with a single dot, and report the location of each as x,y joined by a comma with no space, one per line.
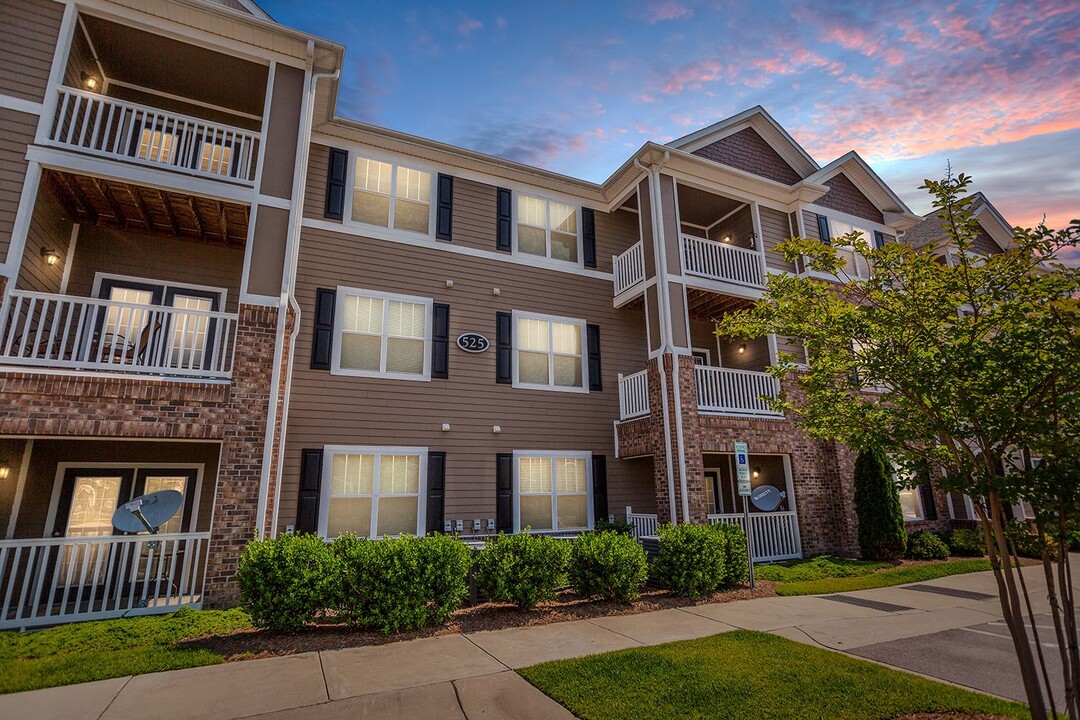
471,676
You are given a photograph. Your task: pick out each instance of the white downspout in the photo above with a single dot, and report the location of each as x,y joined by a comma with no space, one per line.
664,321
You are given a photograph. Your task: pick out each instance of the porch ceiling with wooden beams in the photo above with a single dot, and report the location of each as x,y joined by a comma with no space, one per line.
705,305
115,204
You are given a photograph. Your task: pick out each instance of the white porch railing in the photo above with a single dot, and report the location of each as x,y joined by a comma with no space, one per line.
137,133
629,268
773,536
721,390
634,395
62,331
47,581
644,524
720,261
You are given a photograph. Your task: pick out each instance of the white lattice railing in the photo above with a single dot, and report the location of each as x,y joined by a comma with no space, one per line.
629,268
634,395
773,536
644,524
138,133
63,331
720,261
46,581
721,390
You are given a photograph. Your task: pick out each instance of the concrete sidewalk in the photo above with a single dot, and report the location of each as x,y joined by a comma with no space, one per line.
471,676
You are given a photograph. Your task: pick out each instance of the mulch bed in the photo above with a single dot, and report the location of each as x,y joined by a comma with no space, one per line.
247,644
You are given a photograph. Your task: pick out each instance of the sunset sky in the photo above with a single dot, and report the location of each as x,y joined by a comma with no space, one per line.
993,87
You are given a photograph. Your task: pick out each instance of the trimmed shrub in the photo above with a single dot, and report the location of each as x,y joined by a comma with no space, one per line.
609,565
736,559
1028,542
966,543
285,582
691,559
623,527
523,569
925,545
877,506
401,583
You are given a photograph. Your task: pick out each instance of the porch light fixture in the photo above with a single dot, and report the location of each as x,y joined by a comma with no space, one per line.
726,238
4,472
50,256
757,472
742,348
90,82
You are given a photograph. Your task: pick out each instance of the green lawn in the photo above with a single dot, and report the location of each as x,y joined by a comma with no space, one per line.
882,578
743,675
110,648
819,568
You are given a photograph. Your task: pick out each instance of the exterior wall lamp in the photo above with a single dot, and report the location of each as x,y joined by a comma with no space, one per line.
757,472
50,256
742,348
5,471
90,82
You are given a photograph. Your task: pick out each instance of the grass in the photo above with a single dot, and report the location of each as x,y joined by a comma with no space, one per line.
819,568
81,652
882,578
745,674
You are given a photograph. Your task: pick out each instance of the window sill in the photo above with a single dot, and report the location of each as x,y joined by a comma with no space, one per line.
551,388
345,372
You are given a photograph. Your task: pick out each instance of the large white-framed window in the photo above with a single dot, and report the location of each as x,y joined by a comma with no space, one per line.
547,228
392,196
910,495
382,335
373,491
855,265
552,490
549,352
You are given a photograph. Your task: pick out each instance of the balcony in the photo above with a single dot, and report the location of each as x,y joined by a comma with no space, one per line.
80,333
722,262
735,392
634,395
134,133
629,268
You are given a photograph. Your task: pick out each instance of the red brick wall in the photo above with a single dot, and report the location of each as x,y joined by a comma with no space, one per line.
746,150
844,197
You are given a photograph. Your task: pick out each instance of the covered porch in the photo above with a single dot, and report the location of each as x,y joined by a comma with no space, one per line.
61,559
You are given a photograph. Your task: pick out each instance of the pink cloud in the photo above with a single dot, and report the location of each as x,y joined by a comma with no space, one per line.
468,26
667,10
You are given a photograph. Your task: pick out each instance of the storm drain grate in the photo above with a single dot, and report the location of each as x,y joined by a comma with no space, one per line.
965,594
872,604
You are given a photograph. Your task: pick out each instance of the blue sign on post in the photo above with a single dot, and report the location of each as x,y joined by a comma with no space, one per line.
742,468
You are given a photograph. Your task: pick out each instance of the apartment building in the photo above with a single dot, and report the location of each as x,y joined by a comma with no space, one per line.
211,282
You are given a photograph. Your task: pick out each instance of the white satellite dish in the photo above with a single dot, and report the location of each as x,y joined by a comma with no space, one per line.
147,512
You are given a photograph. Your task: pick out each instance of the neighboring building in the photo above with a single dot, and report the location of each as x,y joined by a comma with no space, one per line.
213,283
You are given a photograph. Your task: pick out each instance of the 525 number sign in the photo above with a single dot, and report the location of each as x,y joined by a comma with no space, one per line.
473,342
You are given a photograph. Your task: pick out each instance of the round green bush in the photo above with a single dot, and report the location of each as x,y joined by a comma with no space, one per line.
401,583
523,569
691,559
966,543
925,545
736,559
285,582
609,565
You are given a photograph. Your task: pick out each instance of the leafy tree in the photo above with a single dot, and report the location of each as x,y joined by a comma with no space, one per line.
975,363
877,506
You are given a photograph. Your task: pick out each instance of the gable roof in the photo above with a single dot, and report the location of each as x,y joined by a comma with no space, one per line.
765,126
870,184
929,231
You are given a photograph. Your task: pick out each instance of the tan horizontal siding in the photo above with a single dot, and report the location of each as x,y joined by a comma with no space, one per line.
810,225
475,222
18,132
793,346
28,33
49,229
330,409
315,194
774,230
615,233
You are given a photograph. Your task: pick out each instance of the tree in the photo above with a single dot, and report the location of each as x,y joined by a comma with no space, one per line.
877,506
974,364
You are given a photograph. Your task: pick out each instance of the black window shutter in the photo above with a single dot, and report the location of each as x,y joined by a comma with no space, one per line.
823,229
926,491
436,490
588,236
593,347
879,239
505,222
599,487
307,507
336,174
504,348
440,340
444,211
504,492
322,343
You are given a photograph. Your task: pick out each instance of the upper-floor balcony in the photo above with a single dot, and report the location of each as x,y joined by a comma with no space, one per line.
722,262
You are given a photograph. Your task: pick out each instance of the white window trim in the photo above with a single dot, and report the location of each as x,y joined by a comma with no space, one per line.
378,450
583,329
921,514
165,285
553,454
580,262
866,226
395,164
339,305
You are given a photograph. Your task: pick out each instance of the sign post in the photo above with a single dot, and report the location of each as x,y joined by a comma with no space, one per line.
742,471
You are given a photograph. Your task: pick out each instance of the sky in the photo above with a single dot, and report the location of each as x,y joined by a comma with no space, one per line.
575,87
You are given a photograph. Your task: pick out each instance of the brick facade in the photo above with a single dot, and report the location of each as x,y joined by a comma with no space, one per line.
746,150
844,197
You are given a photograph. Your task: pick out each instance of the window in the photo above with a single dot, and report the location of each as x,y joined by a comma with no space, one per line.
383,335
156,145
911,504
547,228
548,353
215,158
855,265
373,491
553,491
391,196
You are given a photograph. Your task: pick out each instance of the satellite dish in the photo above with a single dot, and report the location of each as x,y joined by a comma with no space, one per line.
767,498
147,512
